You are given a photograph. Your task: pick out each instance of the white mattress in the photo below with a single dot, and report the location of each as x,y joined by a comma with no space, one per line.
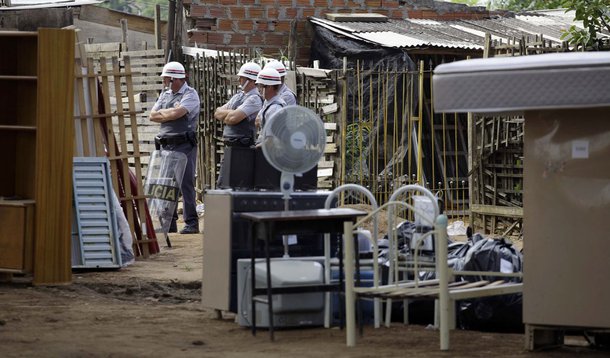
515,84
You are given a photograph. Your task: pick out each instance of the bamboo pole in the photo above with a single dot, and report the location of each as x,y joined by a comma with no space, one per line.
375,133
432,131
444,117
384,94
358,144
171,23
420,122
455,153
395,136
410,130
404,120
157,24
343,121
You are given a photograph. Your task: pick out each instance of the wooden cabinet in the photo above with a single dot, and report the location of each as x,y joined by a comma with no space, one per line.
16,235
36,141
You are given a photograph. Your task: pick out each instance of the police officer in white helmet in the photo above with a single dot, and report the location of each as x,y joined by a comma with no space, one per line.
177,110
269,83
239,113
287,95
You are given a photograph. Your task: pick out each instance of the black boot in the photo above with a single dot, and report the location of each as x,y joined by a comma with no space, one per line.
190,229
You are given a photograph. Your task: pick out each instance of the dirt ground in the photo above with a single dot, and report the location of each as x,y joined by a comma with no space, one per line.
153,309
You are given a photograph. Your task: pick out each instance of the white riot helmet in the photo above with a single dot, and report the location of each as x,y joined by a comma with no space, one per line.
278,66
249,70
268,77
174,70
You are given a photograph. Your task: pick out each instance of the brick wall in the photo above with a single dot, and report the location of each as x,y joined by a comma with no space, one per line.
267,24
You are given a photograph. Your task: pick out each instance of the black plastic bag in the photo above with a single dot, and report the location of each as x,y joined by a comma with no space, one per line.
492,314
497,313
495,255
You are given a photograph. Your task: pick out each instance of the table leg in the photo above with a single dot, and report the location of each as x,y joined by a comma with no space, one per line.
443,279
341,281
348,252
269,296
358,284
253,235
327,280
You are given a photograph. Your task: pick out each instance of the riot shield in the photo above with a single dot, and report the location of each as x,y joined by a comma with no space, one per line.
162,186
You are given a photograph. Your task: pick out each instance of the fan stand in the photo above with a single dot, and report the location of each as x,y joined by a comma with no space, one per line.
287,187
298,135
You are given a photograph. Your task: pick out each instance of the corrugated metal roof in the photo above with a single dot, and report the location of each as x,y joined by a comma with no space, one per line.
463,34
402,33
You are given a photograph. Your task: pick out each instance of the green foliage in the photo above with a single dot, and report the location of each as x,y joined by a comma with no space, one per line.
356,142
595,16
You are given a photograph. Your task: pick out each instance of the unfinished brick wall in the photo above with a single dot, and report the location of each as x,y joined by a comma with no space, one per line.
280,27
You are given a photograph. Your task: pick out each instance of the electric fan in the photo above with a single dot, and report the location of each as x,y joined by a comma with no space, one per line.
293,142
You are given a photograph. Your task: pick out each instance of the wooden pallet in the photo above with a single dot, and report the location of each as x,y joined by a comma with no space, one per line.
146,85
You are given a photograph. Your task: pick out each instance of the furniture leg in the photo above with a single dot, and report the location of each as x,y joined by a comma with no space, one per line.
348,251
252,276
327,280
443,278
269,298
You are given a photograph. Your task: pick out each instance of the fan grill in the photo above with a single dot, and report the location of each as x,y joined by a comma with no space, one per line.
294,140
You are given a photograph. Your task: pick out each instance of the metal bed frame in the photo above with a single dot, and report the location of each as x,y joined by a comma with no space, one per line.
443,288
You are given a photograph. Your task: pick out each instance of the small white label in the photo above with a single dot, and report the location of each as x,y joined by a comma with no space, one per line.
292,240
580,149
298,140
